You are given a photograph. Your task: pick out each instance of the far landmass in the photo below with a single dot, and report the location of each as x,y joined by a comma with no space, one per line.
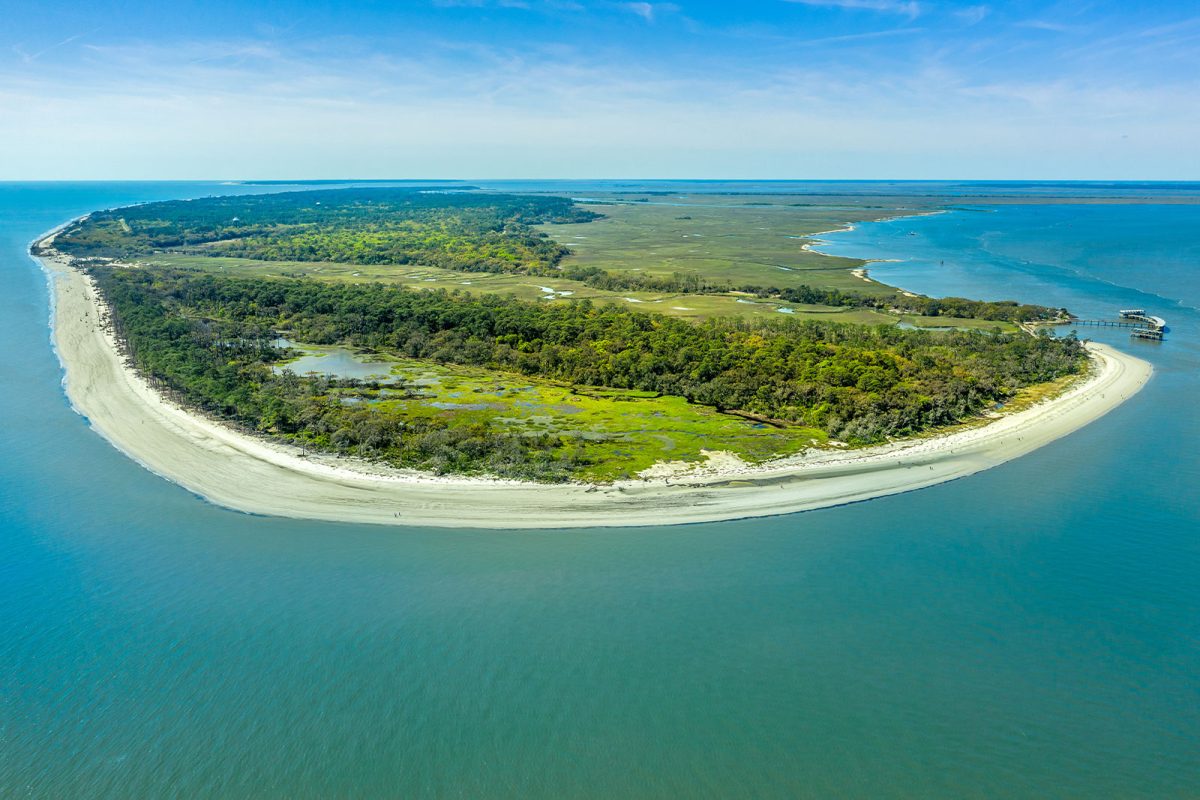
541,338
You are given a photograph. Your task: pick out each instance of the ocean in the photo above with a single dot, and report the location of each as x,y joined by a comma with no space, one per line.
1031,631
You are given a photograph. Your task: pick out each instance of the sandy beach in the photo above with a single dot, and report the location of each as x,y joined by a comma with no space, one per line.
250,474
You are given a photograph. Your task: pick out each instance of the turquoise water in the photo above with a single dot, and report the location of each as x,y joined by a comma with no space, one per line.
1033,631
1086,257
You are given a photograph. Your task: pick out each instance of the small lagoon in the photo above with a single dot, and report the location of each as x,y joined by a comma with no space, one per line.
336,362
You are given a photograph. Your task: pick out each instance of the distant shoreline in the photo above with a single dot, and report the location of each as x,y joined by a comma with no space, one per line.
251,474
863,273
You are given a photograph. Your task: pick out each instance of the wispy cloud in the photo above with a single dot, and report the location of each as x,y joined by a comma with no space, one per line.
1191,24
972,15
481,3
649,11
1045,25
643,10
29,58
910,8
860,37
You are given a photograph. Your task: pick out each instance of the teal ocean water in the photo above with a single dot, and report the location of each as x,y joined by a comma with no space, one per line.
1032,631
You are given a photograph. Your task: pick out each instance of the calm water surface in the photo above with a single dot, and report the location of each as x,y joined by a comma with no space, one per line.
1033,631
335,362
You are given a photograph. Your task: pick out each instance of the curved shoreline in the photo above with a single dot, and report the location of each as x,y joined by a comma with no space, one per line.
249,474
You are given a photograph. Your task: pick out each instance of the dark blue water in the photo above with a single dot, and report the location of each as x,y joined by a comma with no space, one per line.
1033,631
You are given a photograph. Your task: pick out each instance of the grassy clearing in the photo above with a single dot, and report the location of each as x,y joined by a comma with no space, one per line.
618,432
943,323
686,306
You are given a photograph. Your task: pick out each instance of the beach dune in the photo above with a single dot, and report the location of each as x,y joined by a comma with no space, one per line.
250,474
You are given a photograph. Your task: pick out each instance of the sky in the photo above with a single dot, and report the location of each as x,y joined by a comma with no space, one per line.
786,89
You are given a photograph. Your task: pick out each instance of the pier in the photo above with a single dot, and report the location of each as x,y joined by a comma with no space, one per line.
1104,323
1144,326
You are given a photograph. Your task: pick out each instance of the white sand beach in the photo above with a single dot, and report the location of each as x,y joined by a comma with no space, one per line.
251,474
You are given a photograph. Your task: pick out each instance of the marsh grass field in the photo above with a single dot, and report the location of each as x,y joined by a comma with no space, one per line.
761,242
617,432
764,241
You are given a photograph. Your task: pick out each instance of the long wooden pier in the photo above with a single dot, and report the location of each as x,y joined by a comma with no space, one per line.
1144,326
1104,323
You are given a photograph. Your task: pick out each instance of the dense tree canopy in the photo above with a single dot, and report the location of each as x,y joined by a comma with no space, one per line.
452,229
209,338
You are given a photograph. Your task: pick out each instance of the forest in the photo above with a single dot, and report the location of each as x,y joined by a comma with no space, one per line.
210,340
459,230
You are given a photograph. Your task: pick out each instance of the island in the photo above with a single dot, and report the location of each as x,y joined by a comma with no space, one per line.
454,357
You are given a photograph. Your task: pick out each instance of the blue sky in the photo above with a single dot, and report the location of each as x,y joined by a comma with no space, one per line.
568,88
